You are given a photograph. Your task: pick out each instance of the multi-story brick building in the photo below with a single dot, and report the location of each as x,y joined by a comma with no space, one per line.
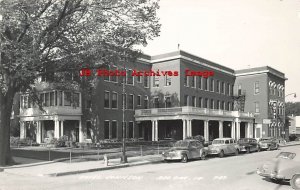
169,106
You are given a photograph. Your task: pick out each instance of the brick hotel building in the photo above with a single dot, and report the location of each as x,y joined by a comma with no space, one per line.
228,104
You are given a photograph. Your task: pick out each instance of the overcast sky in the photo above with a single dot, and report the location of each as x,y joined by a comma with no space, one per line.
235,33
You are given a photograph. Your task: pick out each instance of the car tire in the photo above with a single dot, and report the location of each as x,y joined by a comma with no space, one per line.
295,181
236,152
184,158
221,154
277,147
258,149
278,181
203,156
269,148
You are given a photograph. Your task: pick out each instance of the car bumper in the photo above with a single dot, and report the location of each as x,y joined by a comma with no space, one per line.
270,175
262,173
213,152
172,157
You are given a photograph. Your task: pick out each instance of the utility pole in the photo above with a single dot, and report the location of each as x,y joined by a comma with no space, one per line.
123,157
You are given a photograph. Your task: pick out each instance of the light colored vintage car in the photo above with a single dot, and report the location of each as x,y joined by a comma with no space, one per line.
268,143
184,150
285,167
223,146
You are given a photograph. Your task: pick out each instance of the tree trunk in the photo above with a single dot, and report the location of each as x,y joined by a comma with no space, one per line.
6,102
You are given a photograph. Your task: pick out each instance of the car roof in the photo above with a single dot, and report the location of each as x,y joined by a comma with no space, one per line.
224,139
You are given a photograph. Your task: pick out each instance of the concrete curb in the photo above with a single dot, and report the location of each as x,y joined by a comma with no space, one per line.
26,165
99,169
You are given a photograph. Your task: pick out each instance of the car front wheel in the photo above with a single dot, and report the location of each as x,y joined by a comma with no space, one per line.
184,158
236,152
295,181
221,154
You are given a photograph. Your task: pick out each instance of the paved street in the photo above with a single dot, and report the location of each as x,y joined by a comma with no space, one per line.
233,172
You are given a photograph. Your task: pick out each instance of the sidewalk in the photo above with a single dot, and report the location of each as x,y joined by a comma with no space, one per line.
53,169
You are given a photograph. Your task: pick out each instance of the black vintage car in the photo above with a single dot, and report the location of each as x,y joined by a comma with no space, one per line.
248,145
268,143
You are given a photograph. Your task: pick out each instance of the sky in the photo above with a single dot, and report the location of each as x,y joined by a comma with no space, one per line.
238,34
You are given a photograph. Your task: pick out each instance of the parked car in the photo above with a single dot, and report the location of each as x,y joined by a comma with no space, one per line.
248,145
268,143
285,167
223,146
186,149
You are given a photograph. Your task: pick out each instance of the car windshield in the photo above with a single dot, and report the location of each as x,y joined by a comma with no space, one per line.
218,142
286,155
181,144
267,139
243,141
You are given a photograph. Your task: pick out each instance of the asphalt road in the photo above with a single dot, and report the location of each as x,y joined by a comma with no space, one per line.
228,173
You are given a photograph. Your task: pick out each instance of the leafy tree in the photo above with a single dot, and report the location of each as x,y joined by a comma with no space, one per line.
292,108
51,37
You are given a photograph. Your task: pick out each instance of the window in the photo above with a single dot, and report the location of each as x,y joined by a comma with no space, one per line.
205,83
200,82
114,129
194,101
139,100
206,103
208,84
42,99
114,100
106,99
88,129
228,89
106,129
256,106
124,100
212,86
155,81
146,81
156,102
256,87
146,102
168,81
24,101
200,102
218,104
130,101
114,78
129,77
222,105
139,79
229,106
218,86
130,129
193,82
168,102
186,100
186,80
60,98
47,99
76,99
67,98
211,104
239,89
222,87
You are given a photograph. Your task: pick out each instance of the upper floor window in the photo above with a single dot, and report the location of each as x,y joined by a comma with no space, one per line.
67,98
200,82
222,87
139,79
76,100
114,100
218,86
212,85
168,80
186,100
194,101
205,86
106,99
146,102
239,89
186,80
193,81
256,87
218,104
139,100
129,77
146,81
130,101
156,102
200,102
168,102
211,104
155,81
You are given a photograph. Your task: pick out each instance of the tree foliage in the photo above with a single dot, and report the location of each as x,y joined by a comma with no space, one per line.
43,37
292,108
